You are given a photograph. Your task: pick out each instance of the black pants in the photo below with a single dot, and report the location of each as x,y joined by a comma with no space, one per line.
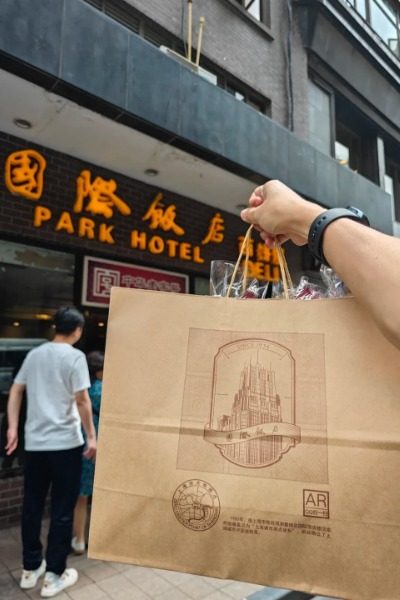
62,470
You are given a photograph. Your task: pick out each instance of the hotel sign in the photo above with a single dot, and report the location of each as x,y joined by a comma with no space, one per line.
100,275
99,210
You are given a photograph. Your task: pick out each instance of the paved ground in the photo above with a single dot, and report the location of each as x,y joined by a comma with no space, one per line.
99,580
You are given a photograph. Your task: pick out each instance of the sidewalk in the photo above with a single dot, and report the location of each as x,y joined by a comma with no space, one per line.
99,580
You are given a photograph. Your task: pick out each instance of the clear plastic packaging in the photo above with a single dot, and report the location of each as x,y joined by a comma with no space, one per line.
221,284
307,290
229,280
335,288
221,274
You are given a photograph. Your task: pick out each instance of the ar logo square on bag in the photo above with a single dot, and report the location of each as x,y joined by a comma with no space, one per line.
316,504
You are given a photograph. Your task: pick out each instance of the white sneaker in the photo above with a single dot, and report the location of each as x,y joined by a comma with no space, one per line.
30,578
78,547
54,584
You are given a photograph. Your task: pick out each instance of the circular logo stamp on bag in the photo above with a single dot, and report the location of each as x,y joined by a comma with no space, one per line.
196,504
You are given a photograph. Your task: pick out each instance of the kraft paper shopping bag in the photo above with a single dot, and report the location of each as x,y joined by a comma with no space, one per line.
256,440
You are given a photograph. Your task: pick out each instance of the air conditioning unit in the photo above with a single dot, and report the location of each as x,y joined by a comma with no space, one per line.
190,65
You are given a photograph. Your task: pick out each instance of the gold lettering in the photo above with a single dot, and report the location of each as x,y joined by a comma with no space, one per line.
172,245
274,256
24,171
162,217
185,251
86,228
105,233
197,258
256,269
264,253
156,245
65,223
138,239
215,230
251,245
101,196
40,215
159,245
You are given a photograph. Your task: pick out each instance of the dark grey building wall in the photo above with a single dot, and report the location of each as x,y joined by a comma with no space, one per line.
251,52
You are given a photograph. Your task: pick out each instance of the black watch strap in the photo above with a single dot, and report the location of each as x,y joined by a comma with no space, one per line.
319,225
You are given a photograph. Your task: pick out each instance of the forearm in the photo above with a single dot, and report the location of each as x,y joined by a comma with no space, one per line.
86,415
367,261
14,405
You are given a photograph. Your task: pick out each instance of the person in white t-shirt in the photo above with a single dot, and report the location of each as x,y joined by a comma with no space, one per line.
56,378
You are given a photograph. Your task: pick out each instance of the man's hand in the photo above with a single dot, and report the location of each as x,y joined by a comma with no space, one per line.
279,214
91,448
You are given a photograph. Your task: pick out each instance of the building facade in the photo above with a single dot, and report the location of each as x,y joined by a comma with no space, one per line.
124,163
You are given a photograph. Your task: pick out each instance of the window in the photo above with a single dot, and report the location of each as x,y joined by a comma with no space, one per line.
231,89
259,9
348,148
244,94
360,6
254,8
383,17
392,183
320,118
338,128
342,154
355,140
34,282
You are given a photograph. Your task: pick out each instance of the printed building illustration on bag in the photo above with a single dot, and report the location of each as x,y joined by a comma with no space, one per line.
260,426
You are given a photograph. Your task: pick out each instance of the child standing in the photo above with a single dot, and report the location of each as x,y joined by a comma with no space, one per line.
95,363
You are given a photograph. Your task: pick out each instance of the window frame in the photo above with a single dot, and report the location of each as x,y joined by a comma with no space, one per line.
396,23
352,140
393,170
265,10
329,90
363,131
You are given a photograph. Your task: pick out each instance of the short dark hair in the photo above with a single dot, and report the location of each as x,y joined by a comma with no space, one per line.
95,360
67,319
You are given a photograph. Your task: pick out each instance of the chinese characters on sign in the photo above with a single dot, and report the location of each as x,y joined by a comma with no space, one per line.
24,173
161,217
215,231
263,262
99,276
101,195
97,202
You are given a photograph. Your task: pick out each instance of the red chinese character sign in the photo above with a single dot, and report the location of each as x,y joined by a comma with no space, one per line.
99,276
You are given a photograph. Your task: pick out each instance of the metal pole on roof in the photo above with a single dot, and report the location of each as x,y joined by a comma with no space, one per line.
199,39
190,19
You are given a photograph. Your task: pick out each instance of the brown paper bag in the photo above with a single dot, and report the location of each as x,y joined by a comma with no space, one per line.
250,440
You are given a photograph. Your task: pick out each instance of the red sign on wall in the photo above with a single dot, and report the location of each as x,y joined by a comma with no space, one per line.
100,275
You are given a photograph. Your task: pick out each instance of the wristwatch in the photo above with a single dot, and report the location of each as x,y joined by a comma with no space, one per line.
319,225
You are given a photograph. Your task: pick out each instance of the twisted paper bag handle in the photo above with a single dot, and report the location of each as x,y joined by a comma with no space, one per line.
245,248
